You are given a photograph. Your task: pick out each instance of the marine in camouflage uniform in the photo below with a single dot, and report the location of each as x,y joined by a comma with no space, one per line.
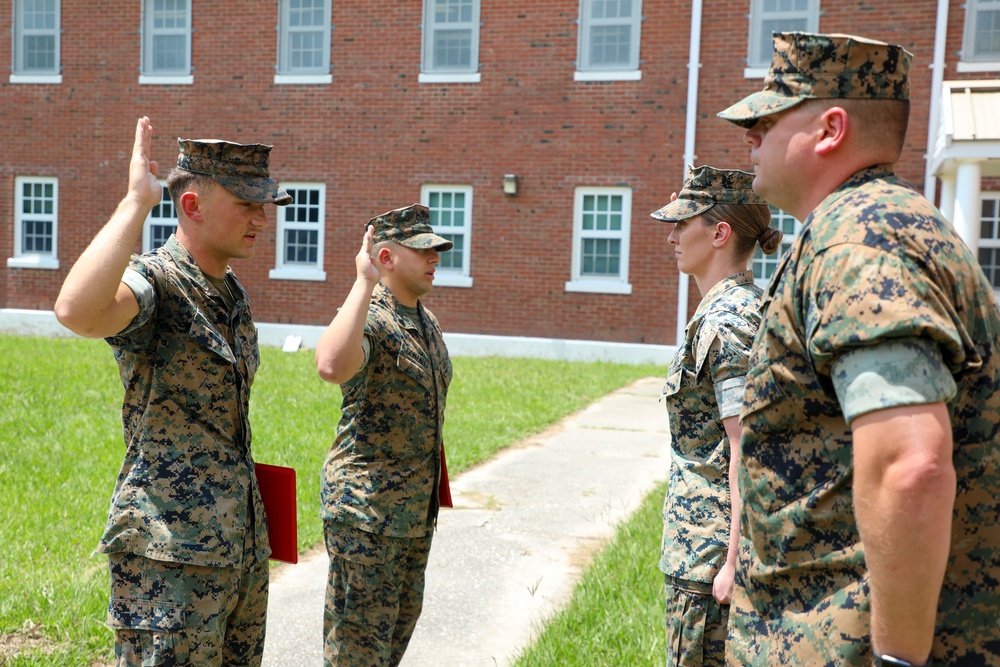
186,534
379,492
704,387
878,305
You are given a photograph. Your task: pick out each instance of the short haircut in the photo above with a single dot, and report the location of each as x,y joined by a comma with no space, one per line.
880,123
180,181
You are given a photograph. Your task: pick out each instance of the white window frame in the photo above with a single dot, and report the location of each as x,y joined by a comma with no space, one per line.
429,72
157,218
587,71
991,243
34,260
790,228
284,270
182,76
461,276
970,61
758,63
20,32
600,284
285,72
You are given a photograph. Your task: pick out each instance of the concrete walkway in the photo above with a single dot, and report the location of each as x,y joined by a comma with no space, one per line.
510,552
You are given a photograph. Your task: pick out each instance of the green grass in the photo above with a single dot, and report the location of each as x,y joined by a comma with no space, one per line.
615,617
61,448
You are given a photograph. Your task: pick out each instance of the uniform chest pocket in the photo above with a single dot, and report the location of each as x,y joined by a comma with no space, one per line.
694,415
414,363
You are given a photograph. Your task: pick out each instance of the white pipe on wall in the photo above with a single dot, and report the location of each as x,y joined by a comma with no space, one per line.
937,90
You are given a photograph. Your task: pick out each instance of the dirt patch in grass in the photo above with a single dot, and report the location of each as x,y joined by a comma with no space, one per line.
29,638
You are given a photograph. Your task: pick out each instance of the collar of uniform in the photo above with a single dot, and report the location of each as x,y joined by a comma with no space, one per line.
384,295
735,280
856,180
192,271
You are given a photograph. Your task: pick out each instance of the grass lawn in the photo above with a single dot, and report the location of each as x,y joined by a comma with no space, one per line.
615,617
61,448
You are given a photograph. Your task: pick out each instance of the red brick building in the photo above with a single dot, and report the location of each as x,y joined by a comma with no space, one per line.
586,111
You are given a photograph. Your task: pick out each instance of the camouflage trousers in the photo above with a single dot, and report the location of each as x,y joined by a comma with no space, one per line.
696,625
373,596
170,614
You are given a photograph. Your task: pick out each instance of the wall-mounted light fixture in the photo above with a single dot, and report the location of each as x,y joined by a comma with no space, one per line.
510,184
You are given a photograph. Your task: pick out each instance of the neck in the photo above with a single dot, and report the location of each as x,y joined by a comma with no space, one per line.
716,274
208,262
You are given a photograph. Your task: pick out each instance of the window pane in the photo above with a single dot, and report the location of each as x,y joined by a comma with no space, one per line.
600,257
987,40
452,48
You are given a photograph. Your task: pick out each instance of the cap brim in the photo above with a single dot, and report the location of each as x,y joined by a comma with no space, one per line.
681,209
258,190
424,241
751,108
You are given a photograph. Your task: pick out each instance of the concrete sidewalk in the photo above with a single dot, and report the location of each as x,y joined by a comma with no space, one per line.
510,552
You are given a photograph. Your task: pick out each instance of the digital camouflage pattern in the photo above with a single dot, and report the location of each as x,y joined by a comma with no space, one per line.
240,168
806,65
704,385
409,226
875,263
696,625
704,187
171,614
186,491
374,597
379,488
382,472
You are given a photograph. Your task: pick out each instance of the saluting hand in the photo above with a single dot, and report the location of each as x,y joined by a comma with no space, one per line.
142,171
367,270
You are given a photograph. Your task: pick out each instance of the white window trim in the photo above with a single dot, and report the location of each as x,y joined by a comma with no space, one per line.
284,73
297,272
759,279
755,72
993,244
35,77
34,260
145,50
452,278
966,62
586,72
755,20
597,285
146,240
430,74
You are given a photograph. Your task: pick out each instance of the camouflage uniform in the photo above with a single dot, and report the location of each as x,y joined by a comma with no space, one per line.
186,534
379,492
875,264
704,386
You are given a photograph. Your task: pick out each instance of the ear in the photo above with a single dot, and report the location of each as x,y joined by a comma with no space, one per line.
834,124
191,206
721,234
384,258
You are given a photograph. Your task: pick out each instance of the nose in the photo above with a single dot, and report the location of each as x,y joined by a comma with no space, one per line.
672,236
260,217
433,256
752,137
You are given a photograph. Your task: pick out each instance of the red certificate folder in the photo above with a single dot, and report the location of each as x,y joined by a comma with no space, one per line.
444,489
277,490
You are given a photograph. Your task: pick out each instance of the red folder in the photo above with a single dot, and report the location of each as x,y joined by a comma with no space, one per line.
444,489
277,490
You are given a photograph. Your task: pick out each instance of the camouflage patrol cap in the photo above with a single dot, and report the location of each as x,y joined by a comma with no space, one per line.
810,66
239,168
409,226
704,187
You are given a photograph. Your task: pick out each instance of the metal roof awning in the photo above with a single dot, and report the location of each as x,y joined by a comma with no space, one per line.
970,127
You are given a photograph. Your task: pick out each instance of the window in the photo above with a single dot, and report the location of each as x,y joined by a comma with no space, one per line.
36,42
608,42
301,228
763,265
304,42
770,16
166,42
601,221
160,223
36,223
451,217
982,31
450,41
989,238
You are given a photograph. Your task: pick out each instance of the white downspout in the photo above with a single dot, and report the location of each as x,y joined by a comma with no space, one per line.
694,65
937,90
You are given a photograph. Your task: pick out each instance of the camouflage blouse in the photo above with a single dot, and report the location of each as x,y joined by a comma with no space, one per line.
186,491
704,386
381,474
875,263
